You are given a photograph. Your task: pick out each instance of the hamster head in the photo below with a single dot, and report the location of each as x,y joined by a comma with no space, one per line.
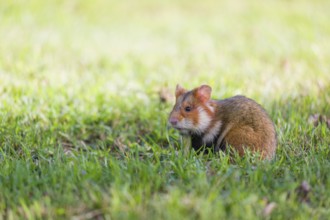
193,110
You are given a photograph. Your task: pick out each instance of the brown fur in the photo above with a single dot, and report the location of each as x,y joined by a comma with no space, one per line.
251,126
244,123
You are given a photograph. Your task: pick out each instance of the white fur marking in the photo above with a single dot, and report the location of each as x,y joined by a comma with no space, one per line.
211,108
214,131
185,125
204,120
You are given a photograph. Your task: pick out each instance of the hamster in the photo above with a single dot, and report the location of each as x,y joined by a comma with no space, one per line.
238,122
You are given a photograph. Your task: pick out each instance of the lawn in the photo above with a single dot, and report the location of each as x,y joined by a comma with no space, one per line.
83,129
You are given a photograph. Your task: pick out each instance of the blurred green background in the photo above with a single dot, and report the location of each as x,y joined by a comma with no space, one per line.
258,48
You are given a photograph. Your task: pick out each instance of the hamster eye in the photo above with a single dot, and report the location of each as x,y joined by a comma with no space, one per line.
187,109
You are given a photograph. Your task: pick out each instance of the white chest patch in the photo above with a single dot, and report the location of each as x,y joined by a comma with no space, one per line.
212,133
204,120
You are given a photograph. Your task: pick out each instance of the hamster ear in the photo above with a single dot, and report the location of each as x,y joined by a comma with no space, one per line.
179,90
203,93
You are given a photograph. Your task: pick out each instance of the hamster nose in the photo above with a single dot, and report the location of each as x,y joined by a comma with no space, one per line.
173,121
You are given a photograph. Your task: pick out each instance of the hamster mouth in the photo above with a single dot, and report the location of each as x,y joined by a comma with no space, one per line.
182,131
178,128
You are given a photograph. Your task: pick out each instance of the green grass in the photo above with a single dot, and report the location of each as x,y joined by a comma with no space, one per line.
83,134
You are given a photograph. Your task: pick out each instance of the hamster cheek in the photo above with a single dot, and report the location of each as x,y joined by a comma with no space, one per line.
187,124
204,120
